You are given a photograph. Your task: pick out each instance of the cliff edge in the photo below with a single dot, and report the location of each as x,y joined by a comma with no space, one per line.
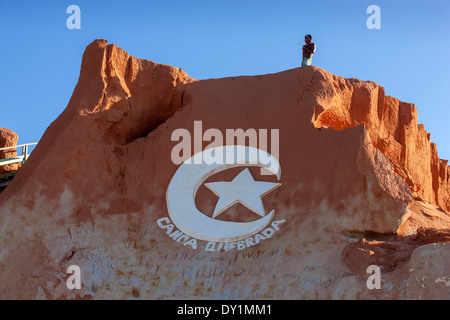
359,183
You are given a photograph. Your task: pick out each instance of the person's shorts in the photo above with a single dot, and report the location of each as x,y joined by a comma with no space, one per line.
306,62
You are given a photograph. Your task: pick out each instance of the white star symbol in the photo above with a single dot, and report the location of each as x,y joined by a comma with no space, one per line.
243,189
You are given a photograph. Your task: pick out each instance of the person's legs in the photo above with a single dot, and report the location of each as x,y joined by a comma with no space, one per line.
306,62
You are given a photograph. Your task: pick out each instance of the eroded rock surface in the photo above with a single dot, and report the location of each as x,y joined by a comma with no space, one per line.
355,166
7,139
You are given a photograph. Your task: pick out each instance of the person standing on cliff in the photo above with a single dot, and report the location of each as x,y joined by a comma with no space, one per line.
308,51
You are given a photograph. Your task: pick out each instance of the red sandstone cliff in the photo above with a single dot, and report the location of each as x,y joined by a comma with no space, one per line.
8,138
393,129
354,163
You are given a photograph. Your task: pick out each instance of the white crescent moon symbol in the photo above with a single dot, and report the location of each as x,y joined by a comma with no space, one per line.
189,177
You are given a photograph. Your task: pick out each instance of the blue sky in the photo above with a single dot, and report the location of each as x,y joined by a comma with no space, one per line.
410,55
